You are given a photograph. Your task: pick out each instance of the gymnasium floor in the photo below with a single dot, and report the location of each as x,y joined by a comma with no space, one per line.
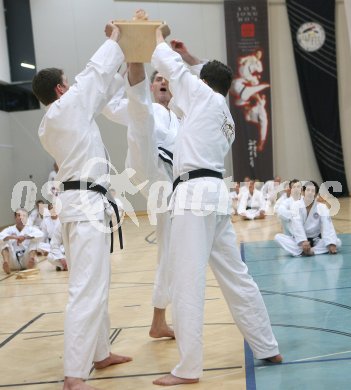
307,298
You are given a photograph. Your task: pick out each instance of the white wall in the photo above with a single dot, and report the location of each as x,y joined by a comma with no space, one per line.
6,170
4,58
67,32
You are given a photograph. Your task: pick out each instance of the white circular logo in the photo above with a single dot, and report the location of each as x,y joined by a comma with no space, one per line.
310,36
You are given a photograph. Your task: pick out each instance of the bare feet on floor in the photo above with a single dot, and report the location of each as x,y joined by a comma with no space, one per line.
112,359
275,359
31,263
171,380
161,331
6,267
76,384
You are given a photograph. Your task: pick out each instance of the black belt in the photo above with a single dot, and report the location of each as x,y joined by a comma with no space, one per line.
81,185
196,174
311,239
165,155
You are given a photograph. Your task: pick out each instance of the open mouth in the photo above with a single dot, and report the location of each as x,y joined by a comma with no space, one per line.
163,89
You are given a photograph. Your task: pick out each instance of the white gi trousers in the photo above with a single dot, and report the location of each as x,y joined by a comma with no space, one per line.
195,241
161,294
18,260
87,324
290,245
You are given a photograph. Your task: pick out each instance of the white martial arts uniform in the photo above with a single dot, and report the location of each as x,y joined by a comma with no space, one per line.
71,136
19,253
201,230
150,125
57,250
283,209
316,226
250,206
51,229
34,218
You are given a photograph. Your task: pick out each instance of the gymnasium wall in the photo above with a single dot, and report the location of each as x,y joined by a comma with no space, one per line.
67,32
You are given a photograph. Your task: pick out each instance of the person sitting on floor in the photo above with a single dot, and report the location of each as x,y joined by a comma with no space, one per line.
312,229
18,243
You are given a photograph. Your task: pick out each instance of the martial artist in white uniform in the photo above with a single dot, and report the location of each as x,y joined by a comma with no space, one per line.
18,244
201,230
152,128
312,230
252,204
35,217
56,254
270,191
71,136
284,206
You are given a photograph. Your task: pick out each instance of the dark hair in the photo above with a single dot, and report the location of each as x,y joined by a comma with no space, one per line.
292,182
309,184
218,76
20,209
44,83
152,78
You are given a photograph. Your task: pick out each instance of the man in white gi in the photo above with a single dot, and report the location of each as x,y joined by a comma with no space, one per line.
35,217
52,243
270,191
71,136
18,244
252,205
284,207
152,128
312,229
201,229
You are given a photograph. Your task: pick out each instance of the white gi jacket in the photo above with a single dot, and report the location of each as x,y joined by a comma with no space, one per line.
203,137
317,222
69,133
29,244
255,201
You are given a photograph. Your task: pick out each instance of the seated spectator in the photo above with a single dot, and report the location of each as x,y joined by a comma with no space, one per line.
18,244
251,204
311,227
270,191
36,215
283,207
234,195
56,255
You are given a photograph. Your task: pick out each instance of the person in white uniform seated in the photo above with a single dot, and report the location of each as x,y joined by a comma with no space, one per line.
52,245
18,244
311,227
35,217
252,205
283,207
270,191
235,196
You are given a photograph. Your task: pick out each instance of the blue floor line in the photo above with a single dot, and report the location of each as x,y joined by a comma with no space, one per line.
249,368
249,359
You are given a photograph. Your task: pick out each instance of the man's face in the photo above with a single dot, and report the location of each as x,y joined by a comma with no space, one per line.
310,193
21,218
160,90
296,190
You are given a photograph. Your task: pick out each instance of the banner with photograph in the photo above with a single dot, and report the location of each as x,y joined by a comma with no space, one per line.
246,23
312,25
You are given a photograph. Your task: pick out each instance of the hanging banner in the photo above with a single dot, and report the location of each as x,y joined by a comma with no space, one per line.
312,25
246,23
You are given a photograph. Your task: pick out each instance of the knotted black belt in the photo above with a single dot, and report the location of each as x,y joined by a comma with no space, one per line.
81,185
196,174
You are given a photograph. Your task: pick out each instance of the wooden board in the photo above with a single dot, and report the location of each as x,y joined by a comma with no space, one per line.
138,39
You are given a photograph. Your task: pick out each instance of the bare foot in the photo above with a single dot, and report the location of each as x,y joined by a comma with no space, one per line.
112,359
76,384
64,264
31,263
6,267
171,380
275,359
163,331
